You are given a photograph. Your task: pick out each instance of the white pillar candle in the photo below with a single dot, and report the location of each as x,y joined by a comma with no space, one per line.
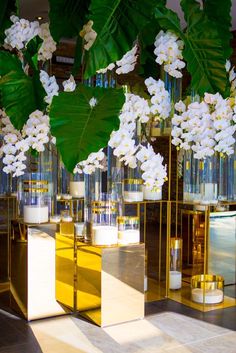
132,196
79,228
149,194
214,296
55,219
66,219
77,189
175,280
209,192
104,235
129,236
35,214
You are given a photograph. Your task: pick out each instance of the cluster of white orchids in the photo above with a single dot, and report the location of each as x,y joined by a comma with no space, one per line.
35,135
205,127
22,31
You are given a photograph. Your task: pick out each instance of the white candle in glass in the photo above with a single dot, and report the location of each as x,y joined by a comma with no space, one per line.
104,235
209,192
129,236
132,196
35,214
175,280
214,296
77,189
149,194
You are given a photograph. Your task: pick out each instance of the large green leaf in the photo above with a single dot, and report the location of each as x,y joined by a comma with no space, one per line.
117,24
20,96
31,52
203,48
7,7
67,17
80,129
219,12
9,62
203,51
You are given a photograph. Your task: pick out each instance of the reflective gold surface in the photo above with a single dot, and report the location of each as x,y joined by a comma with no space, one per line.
110,287
32,284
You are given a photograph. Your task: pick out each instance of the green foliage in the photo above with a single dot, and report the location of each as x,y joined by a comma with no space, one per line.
80,129
9,62
203,51
117,24
31,52
20,94
7,8
219,12
67,17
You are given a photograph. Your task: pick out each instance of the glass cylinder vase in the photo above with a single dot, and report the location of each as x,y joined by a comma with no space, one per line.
36,188
133,185
174,86
104,220
128,230
225,185
77,186
209,176
175,275
191,177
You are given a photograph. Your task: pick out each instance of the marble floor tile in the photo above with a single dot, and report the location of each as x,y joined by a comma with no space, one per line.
221,344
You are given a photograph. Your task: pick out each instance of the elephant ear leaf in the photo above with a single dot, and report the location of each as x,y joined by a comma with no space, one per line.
219,12
20,94
117,24
81,127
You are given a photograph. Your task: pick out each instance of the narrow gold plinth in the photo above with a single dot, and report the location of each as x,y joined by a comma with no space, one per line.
103,284
110,283
32,285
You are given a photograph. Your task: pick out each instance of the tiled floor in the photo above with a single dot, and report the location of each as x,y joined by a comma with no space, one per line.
165,329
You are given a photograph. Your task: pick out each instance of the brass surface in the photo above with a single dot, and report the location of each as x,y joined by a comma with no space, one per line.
207,282
32,271
65,268
133,181
110,283
175,243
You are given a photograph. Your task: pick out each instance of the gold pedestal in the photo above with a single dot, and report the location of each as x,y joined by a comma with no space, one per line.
32,285
109,281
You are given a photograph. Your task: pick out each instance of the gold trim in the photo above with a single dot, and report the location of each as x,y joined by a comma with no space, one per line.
35,190
207,282
45,182
124,219
133,181
175,243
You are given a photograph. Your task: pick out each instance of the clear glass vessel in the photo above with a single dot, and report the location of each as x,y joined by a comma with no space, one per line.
77,185
128,230
36,188
209,176
175,275
207,289
104,220
133,185
191,177
226,178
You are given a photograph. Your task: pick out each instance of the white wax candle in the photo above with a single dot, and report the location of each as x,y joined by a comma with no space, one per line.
104,235
209,192
66,197
67,219
214,296
79,227
35,214
175,280
55,219
129,236
151,195
131,196
77,189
